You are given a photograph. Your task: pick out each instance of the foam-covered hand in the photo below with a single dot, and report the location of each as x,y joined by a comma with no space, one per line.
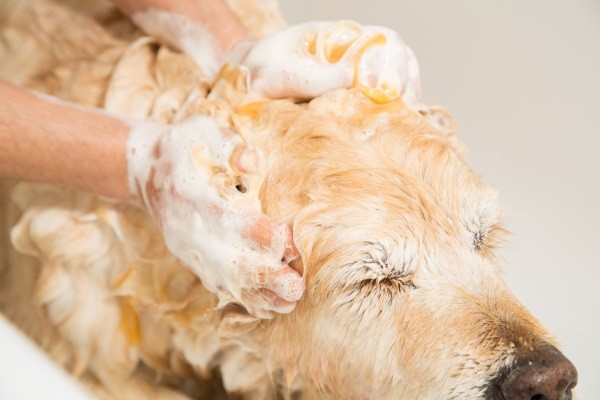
192,177
310,59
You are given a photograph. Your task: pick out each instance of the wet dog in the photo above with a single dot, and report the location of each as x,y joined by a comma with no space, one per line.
397,237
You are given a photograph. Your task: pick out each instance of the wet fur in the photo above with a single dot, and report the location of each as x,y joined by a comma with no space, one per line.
397,235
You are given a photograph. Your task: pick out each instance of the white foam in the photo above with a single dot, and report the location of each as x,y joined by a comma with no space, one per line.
201,214
310,59
191,37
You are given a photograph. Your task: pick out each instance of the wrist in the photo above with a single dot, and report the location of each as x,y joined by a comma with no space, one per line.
143,146
204,30
44,139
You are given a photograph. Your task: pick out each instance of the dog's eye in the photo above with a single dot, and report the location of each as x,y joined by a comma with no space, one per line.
377,279
388,268
486,239
477,239
386,283
481,218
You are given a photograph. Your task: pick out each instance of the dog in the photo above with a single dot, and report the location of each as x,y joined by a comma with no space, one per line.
397,238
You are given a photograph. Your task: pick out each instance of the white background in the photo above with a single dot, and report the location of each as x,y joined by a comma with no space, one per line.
522,79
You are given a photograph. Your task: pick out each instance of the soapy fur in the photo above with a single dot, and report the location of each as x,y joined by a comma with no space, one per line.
397,235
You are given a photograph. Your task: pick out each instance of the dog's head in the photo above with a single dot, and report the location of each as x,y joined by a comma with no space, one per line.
398,238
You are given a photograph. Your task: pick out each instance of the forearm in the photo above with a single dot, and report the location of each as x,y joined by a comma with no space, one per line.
52,142
214,15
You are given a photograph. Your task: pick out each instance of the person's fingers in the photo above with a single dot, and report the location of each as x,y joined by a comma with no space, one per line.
261,229
286,283
282,306
238,51
260,301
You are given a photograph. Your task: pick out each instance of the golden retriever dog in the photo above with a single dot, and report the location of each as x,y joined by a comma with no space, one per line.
397,236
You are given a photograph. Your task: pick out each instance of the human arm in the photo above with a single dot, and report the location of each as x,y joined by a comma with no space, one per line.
312,58
302,61
195,179
238,252
214,15
204,29
46,140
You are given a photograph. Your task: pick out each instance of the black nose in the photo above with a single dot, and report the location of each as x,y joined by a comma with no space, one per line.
542,374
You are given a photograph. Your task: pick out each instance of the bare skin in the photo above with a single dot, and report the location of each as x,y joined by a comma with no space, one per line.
52,142
214,15
49,141
77,143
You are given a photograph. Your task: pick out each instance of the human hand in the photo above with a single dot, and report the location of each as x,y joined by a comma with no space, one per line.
203,29
309,59
192,178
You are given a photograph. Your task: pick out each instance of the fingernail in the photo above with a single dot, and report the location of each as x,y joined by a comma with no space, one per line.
283,306
268,295
288,284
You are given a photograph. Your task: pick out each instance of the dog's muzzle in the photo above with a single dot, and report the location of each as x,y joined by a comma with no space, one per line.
543,373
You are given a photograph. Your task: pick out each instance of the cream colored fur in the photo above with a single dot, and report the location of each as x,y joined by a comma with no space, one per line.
397,236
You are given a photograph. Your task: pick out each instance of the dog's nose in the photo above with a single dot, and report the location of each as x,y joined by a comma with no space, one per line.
542,374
